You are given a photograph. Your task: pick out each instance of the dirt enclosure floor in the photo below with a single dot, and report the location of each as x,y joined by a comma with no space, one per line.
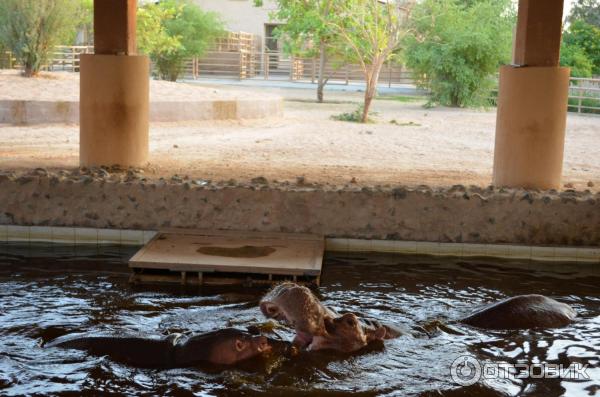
407,145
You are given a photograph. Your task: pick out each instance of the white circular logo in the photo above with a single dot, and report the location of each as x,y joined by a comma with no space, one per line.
465,370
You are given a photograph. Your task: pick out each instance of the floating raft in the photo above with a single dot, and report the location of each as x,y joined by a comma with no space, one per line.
202,257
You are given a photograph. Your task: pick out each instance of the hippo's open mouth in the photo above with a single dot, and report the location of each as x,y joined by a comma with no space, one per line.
303,339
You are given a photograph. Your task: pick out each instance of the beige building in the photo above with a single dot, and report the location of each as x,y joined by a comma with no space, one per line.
243,16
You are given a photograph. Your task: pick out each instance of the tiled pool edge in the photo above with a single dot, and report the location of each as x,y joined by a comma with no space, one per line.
74,235
78,235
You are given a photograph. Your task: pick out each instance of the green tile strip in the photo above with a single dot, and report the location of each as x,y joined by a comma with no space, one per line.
76,235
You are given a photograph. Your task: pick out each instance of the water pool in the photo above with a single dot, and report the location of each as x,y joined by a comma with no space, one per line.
46,292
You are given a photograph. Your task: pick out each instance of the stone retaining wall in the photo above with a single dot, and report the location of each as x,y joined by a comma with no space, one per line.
101,199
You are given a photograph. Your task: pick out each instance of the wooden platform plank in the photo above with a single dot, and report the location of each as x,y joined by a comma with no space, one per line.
232,252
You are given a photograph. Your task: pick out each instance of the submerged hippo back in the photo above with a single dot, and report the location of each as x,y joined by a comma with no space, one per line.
523,312
135,351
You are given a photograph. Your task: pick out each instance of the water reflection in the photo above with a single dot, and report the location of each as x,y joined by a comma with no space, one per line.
47,292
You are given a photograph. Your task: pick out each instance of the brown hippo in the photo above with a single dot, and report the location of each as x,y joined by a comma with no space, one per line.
318,327
522,312
225,347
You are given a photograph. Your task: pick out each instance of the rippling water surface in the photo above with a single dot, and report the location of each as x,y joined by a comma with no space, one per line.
46,292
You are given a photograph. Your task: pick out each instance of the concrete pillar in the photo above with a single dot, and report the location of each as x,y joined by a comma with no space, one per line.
114,91
532,102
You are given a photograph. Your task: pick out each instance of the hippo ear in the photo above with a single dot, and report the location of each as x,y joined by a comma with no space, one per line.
239,345
378,334
269,309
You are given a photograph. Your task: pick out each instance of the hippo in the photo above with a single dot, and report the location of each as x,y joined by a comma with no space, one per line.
227,346
522,312
318,327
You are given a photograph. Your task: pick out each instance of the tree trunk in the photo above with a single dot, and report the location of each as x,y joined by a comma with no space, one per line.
321,81
372,78
28,71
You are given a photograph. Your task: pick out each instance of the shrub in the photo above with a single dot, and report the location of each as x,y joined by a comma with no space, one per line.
587,38
356,116
172,30
31,29
457,47
576,58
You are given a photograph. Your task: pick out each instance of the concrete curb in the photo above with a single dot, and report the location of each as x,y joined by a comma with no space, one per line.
67,112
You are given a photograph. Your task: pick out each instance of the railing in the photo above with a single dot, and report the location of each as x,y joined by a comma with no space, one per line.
66,58
63,58
584,95
274,65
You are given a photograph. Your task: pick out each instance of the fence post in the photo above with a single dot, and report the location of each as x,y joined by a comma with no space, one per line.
347,74
292,66
390,74
580,100
313,72
266,65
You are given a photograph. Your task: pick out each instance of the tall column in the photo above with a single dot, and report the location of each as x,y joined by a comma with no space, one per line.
532,102
114,90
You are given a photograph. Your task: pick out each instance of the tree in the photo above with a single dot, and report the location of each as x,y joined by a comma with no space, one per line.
456,48
172,30
587,38
372,31
31,29
587,11
305,33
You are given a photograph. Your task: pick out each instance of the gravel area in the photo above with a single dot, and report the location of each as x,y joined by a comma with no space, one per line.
408,144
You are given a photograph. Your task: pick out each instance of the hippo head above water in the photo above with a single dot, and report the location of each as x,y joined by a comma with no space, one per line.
316,326
227,346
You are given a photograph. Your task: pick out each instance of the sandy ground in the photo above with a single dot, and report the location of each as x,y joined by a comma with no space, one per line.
437,147
65,87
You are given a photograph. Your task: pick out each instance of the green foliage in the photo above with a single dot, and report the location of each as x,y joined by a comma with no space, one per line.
372,33
587,38
576,58
355,116
402,98
305,26
173,30
456,48
85,20
305,32
587,11
31,29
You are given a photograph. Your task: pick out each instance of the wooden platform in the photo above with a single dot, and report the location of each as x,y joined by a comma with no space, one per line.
227,257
